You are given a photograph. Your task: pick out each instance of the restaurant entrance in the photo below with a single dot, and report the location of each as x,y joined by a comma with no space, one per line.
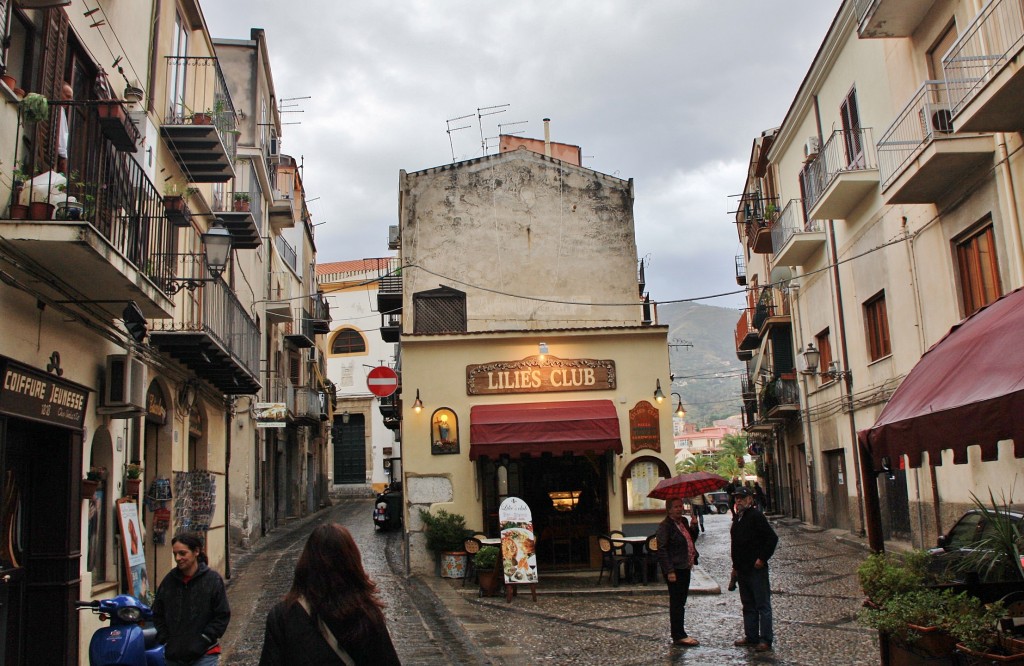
568,497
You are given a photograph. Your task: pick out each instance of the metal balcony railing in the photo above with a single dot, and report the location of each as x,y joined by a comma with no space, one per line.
286,252
741,270
199,96
744,330
982,49
926,115
790,222
103,186
845,151
308,404
391,279
214,310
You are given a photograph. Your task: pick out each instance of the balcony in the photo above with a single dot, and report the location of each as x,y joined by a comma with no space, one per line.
391,409
210,332
741,271
282,205
299,330
843,173
920,157
321,314
747,339
796,238
287,253
890,18
110,222
308,406
199,124
389,288
241,212
780,399
756,215
985,74
390,327
772,310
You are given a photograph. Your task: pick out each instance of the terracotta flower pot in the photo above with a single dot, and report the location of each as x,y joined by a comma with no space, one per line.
88,489
241,206
9,81
490,582
18,212
131,487
40,210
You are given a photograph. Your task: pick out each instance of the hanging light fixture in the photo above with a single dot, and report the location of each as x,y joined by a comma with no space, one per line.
345,416
542,349
680,412
811,359
417,405
659,395
216,248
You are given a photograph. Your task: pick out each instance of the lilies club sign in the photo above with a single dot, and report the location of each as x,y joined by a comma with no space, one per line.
533,375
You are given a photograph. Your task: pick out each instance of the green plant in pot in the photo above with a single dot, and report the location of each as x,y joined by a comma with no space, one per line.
885,575
917,621
487,569
445,534
34,108
241,201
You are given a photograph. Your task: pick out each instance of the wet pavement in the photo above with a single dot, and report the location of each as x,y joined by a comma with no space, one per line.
438,621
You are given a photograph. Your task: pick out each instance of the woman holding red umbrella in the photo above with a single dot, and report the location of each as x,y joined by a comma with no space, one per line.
677,556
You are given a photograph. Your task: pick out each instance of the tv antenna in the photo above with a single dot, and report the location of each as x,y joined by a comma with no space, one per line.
676,342
288,104
518,122
456,129
487,111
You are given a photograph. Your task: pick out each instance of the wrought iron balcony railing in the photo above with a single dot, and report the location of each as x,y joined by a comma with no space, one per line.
845,151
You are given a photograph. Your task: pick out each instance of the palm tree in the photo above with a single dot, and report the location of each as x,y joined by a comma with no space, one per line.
695,464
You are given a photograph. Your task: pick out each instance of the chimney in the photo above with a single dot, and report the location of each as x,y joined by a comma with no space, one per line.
547,137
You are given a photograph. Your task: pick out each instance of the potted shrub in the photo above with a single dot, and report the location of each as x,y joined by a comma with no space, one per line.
487,570
446,533
885,575
917,624
93,478
18,211
241,202
978,637
133,478
34,108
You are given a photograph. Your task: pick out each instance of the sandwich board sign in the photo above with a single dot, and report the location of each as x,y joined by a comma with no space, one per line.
518,546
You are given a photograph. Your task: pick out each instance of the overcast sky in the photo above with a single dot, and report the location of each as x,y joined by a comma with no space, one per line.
670,93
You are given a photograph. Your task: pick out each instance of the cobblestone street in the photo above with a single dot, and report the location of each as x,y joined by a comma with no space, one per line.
437,621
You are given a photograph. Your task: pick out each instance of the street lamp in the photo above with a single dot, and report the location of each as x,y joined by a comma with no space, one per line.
812,359
680,412
659,395
216,249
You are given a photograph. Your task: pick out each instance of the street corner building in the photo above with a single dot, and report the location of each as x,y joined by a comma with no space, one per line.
159,299
530,359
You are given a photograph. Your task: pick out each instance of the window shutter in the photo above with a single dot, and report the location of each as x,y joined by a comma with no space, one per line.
55,43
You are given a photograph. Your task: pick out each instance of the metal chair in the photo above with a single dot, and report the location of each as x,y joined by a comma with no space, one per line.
472,546
612,558
649,559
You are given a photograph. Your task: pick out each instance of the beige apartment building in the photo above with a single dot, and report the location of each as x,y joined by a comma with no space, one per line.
529,361
876,216
140,257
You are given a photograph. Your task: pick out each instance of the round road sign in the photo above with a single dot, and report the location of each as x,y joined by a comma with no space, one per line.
382,381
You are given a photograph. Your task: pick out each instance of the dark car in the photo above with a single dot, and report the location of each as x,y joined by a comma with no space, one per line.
963,538
718,501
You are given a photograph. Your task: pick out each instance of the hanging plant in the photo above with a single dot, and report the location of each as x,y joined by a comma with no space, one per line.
35,107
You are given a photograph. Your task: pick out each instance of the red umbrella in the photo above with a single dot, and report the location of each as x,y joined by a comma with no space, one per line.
688,485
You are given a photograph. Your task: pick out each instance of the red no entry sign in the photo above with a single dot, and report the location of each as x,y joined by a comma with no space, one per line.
382,381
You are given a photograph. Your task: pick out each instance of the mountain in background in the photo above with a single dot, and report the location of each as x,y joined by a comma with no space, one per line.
707,375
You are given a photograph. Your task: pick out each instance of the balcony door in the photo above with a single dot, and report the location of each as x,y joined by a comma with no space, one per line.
852,140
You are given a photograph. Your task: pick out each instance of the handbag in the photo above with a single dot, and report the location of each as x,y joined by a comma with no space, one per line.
328,635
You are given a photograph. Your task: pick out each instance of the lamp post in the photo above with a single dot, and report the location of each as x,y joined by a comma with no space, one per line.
216,250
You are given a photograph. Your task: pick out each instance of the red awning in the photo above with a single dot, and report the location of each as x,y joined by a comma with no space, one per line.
543,427
967,389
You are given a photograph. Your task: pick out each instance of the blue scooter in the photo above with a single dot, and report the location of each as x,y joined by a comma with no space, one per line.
126,642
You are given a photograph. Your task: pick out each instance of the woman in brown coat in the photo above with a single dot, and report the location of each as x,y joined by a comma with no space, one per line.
677,556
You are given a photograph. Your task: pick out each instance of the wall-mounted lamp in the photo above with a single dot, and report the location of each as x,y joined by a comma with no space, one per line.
542,350
812,360
345,416
417,405
659,395
188,394
680,412
216,249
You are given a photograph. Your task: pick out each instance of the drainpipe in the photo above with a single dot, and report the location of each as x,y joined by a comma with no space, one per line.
229,408
806,418
547,137
1012,218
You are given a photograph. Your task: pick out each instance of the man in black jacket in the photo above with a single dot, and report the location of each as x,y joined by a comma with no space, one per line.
191,610
753,543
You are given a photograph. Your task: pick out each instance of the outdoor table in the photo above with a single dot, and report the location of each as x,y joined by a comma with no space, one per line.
636,553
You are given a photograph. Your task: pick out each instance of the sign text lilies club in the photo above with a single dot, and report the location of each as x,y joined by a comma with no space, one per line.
533,375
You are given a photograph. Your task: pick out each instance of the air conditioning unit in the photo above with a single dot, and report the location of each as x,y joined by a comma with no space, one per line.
126,382
393,237
811,147
313,354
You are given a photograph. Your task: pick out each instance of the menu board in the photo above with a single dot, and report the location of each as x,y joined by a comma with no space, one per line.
518,544
133,555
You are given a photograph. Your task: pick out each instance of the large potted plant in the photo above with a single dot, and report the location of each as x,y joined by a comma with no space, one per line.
446,532
979,639
488,572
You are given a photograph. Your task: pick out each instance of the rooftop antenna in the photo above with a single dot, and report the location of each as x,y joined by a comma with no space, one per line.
455,129
518,122
488,111
283,108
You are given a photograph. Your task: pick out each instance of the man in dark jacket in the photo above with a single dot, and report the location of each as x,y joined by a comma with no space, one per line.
753,543
191,610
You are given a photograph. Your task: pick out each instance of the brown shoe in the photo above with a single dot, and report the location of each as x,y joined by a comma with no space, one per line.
687,642
743,642
763,647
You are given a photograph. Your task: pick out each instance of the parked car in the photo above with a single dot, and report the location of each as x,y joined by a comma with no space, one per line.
718,501
963,538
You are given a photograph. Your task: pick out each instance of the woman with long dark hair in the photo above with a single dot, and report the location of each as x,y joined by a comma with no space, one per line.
332,614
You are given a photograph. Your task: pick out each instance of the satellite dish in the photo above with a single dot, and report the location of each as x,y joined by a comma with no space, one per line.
781,275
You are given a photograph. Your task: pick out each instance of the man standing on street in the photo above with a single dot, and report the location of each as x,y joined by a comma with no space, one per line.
753,543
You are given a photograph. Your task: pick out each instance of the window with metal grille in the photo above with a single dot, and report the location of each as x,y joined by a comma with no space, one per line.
348,341
876,322
440,310
979,269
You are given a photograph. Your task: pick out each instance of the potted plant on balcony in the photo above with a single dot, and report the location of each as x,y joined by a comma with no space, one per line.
446,532
240,202
71,208
117,126
133,478
34,108
18,210
176,208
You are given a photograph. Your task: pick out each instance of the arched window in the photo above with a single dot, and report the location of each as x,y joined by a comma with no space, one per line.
348,341
638,479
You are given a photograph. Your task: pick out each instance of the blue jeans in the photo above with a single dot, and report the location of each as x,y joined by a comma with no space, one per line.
205,660
756,597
